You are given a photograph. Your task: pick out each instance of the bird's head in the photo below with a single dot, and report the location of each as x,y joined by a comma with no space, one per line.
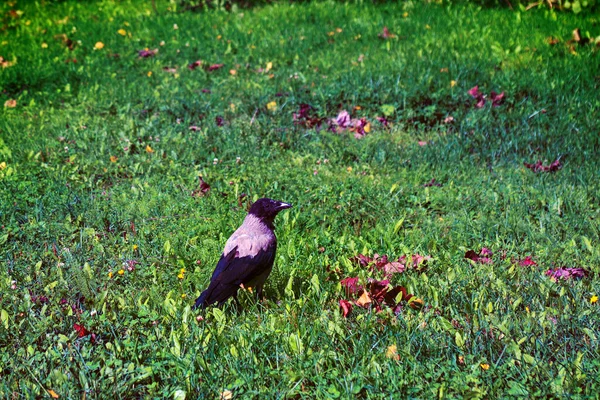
267,209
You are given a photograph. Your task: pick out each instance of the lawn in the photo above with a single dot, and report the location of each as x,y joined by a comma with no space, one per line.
485,201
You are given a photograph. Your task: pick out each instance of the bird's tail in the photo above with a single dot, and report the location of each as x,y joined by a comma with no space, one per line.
201,301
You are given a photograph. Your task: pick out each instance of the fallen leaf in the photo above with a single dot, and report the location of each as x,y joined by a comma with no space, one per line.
497,99
527,262
194,65
52,393
392,352
364,300
346,308
203,188
386,34
432,182
12,103
99,46
215,67
146,53
539,167
566,273
226,395
351,285
81,330
272,106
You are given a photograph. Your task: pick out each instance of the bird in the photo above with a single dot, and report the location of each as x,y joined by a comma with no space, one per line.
248,257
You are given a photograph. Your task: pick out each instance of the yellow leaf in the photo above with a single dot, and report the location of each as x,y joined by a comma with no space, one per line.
269,66
364,300
272,106
122,32
367,128
99,46
392,352
226,395
594,299
232,72
2,165
149,73
484,366
452,83
149,149
113,159
44,45
52,393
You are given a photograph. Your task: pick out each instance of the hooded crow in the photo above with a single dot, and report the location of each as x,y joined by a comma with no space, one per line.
248,255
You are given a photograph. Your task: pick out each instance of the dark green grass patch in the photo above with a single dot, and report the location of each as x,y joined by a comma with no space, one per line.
102,224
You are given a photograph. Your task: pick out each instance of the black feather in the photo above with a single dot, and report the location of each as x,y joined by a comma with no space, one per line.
233,271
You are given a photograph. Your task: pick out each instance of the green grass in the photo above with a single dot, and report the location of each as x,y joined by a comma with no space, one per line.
70,216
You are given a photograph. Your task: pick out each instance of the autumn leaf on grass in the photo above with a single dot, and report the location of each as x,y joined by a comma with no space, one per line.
482,258
557,274
272,106
215,67
194,65
394,267
478,96
351,285
432,183
346,308
527,262
386,34
52,393
539,167
497,98
304,117
202,190
146,53
392,352
12,103
364,300
82,331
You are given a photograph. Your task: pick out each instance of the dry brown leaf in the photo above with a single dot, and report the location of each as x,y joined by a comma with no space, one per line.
364,300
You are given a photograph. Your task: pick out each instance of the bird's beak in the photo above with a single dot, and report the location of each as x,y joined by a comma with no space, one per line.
283,206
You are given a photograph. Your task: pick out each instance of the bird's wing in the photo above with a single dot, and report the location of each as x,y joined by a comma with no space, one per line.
238,266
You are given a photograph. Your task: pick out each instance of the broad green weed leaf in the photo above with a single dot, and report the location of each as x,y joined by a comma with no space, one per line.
4,318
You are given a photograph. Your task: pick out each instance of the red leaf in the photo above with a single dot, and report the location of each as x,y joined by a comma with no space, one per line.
351,285
539,167
346,308
195,65
485,252
480,258
394,267
202,190
215,67
147,53
81,330
475,93
378,289
527,262
497,99
386,34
